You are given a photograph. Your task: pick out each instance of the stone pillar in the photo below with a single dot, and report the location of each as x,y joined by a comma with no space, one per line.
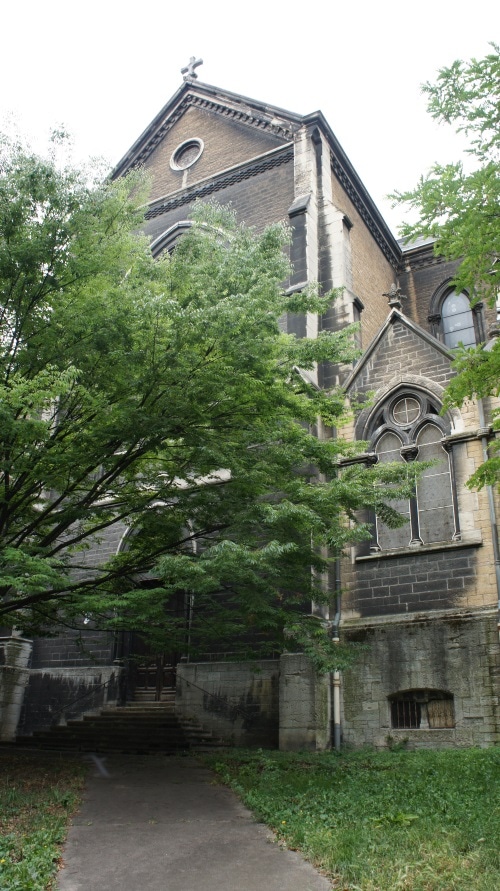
14,675
305,710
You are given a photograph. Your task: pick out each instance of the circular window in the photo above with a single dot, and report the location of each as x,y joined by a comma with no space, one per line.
186,154
406,410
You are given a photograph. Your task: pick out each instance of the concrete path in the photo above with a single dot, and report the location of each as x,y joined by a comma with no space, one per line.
156,823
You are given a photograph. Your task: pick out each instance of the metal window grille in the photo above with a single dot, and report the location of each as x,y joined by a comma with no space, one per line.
405,714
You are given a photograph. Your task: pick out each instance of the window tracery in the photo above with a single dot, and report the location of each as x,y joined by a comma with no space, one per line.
408,428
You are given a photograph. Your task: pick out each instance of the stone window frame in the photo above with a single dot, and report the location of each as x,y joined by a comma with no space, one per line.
194,142
417,709
383,422
435,317
169,238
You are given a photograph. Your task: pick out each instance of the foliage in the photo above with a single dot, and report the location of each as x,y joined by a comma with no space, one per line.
478,376
458,205
160,395
371,820
37,798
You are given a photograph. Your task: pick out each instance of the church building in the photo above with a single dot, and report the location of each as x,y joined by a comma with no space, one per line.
423,599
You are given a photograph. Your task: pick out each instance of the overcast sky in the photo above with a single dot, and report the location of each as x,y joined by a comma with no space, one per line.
104,69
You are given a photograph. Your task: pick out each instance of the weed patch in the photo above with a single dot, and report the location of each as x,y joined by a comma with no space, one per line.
38,794
380,821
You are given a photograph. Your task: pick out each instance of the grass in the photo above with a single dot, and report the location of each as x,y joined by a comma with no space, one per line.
38,794
380,821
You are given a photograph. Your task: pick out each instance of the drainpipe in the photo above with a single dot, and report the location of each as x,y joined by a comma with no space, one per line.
337,727
491,505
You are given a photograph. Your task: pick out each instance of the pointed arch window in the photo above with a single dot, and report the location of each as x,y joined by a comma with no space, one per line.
388,449
453,320
409,428
457,321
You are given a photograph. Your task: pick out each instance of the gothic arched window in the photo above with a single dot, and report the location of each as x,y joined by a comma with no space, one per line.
453,320
408,428
457,321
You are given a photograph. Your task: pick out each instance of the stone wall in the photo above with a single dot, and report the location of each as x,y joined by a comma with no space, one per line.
418,579
372,274
459,654
73,649
15,655
267,703
238,701
305,716
56,695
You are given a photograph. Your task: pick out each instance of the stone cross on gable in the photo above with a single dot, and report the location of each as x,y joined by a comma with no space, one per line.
188,72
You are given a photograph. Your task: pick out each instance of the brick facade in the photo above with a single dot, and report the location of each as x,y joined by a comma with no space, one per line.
226,144
426,614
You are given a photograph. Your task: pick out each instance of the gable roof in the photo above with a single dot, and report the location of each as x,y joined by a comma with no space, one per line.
280,123
277,121
394,316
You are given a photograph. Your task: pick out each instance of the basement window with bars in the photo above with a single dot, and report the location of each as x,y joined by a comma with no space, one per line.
422,710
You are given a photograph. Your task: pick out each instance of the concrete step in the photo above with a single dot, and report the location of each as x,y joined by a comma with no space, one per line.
151,728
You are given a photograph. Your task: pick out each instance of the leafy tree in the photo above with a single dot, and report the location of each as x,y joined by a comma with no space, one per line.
160,395
458,205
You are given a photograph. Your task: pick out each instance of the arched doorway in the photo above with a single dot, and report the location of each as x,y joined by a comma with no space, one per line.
151,669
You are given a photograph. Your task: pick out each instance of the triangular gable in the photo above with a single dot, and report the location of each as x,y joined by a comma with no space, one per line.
430,356
274,124
261,129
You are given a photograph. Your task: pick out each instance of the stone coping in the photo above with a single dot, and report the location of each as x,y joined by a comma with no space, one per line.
474,540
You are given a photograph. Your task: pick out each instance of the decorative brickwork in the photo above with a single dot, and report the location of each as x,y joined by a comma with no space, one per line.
401,353
205,190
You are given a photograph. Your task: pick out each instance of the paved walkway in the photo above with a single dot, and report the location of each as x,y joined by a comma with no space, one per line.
162,824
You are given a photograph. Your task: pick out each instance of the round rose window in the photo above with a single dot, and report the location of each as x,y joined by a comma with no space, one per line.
405,411
186,154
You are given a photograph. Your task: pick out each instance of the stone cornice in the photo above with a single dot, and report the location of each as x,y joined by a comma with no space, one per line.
466,614
421,262
210,100
365,212
241,115
473,540
234,114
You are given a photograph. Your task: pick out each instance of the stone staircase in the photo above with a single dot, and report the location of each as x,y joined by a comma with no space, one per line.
136,728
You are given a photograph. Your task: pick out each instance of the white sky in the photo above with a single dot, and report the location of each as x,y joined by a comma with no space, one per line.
104,69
